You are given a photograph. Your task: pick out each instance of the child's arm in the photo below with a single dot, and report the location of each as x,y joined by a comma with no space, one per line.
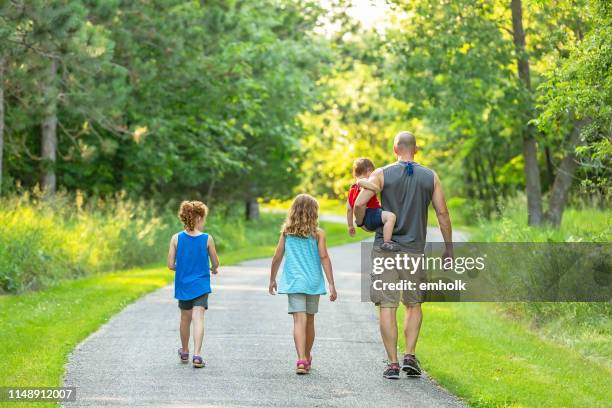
349,220
368,185
172,254
276,261
212,253
327,266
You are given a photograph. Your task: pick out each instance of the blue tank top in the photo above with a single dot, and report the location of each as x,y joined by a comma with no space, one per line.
302,272
192,277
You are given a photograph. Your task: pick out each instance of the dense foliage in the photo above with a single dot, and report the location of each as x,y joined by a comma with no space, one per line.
232,100
450,72
44,240
157,98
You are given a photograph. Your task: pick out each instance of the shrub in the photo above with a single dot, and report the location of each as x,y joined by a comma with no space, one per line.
44,239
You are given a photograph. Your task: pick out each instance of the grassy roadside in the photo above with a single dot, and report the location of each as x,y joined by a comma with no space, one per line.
336,235
491,361
39,329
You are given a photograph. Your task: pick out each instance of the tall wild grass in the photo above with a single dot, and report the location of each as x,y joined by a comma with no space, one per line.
44,239
583,326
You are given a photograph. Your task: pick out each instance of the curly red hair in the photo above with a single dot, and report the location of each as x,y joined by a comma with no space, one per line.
190,212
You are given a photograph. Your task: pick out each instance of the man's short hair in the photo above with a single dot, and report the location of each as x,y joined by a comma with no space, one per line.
405,141
361,166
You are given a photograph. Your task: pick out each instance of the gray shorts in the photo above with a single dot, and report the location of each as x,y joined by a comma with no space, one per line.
391,298
301,302
199,301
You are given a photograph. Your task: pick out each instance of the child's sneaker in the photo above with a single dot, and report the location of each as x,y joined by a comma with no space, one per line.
302,367
183,356
197,362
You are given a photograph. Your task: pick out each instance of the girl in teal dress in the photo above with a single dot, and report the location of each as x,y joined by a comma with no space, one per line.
302,243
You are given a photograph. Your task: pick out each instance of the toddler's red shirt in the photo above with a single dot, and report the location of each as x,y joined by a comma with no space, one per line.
354,192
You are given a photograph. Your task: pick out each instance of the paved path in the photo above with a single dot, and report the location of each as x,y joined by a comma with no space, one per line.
248,347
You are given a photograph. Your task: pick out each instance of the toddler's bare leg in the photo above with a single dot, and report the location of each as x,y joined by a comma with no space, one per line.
388,219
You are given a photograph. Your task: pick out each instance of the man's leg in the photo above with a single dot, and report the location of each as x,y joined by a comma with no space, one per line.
412,326
388,331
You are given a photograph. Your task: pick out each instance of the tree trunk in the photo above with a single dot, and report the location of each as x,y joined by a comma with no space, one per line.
209,191
532,182
469,180
550,172
49,132
565,175
1,117
252,209
530,149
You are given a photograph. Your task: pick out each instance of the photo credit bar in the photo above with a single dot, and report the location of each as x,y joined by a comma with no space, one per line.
490,272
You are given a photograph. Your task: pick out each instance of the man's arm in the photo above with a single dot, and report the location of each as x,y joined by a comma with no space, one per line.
377,179
439,204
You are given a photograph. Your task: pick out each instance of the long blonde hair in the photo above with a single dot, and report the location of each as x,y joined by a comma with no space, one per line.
303,217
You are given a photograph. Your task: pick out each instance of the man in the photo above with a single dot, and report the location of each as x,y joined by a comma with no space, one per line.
407,188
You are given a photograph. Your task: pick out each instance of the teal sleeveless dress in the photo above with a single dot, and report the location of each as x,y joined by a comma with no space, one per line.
302,272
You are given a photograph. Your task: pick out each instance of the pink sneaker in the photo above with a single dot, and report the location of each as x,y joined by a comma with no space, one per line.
302,367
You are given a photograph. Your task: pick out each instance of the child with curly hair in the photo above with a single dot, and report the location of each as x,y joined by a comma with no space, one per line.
302,243
193,256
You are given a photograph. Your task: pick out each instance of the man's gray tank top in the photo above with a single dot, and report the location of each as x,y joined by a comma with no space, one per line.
408,197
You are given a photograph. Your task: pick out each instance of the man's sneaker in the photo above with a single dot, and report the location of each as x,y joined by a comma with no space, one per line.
411,366
392,372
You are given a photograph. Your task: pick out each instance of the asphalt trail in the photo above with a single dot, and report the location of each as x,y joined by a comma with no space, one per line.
248,350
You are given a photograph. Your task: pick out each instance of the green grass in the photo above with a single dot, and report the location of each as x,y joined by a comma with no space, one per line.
490,361
330,206
585,328
336,235
523,354
39,329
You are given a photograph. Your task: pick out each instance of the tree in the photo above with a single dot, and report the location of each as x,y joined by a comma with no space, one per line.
2,68
530,150
576,101
453,62
49,130
58,56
